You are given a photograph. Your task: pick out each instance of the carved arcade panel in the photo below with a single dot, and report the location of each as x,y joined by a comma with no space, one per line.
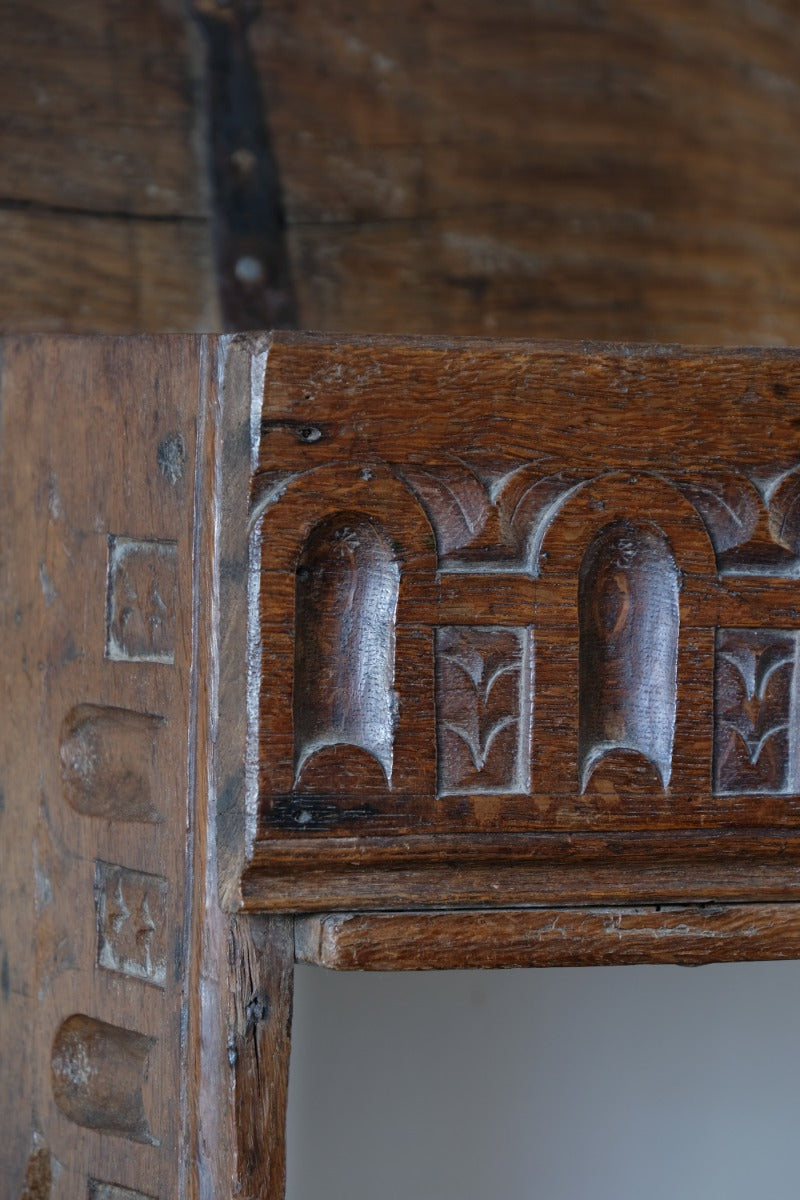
517,594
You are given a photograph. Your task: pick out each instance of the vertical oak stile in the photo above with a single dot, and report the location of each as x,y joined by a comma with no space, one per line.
242,970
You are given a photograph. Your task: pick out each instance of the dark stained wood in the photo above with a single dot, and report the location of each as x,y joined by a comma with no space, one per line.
98,104
103,205
260,999
628,620
570,170
239,972
144,1034
573,170
437,871
552,594
78,273
549,937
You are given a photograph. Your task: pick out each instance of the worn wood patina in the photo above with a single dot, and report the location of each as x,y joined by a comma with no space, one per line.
379,654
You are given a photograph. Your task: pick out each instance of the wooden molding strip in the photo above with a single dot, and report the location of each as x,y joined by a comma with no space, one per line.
549,937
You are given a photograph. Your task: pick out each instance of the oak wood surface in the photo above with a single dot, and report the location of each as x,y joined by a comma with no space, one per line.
567,170
571,170
250,589
92,906
143,1035
542,601
104,202
548,937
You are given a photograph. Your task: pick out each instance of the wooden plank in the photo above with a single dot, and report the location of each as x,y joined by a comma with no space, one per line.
144,1034
98,108
76,274
103,207
94,755
315,875
538,170
518,275
548,937
260,997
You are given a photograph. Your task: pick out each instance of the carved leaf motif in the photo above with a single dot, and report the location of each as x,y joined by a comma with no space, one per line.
483,673
454,499
131,922
728,506
479,747
784,513
529,504
493,468
480,686
753,686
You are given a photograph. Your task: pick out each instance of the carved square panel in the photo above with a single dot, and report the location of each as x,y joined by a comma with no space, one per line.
131,911
142,600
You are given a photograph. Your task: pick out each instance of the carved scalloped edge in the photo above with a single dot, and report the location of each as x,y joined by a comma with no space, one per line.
462,493
460,496
733,505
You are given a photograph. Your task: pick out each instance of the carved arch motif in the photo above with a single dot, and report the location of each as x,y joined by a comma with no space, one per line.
346,595
343,558
628,658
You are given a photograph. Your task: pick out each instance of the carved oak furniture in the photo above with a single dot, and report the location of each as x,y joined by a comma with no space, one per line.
375,654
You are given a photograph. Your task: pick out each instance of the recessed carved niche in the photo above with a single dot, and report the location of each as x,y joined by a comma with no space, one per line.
628,620
346,596
98,1074
108,763
345,679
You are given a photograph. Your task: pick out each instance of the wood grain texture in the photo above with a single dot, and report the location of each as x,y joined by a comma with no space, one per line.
91,1010
260,999
75,273
504,169
239,972
294,625
543,670
103,208
98,104
144,1035
539,170
468,872
549,937
122,983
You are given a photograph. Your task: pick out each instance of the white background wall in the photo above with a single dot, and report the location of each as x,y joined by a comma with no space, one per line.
623,1083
